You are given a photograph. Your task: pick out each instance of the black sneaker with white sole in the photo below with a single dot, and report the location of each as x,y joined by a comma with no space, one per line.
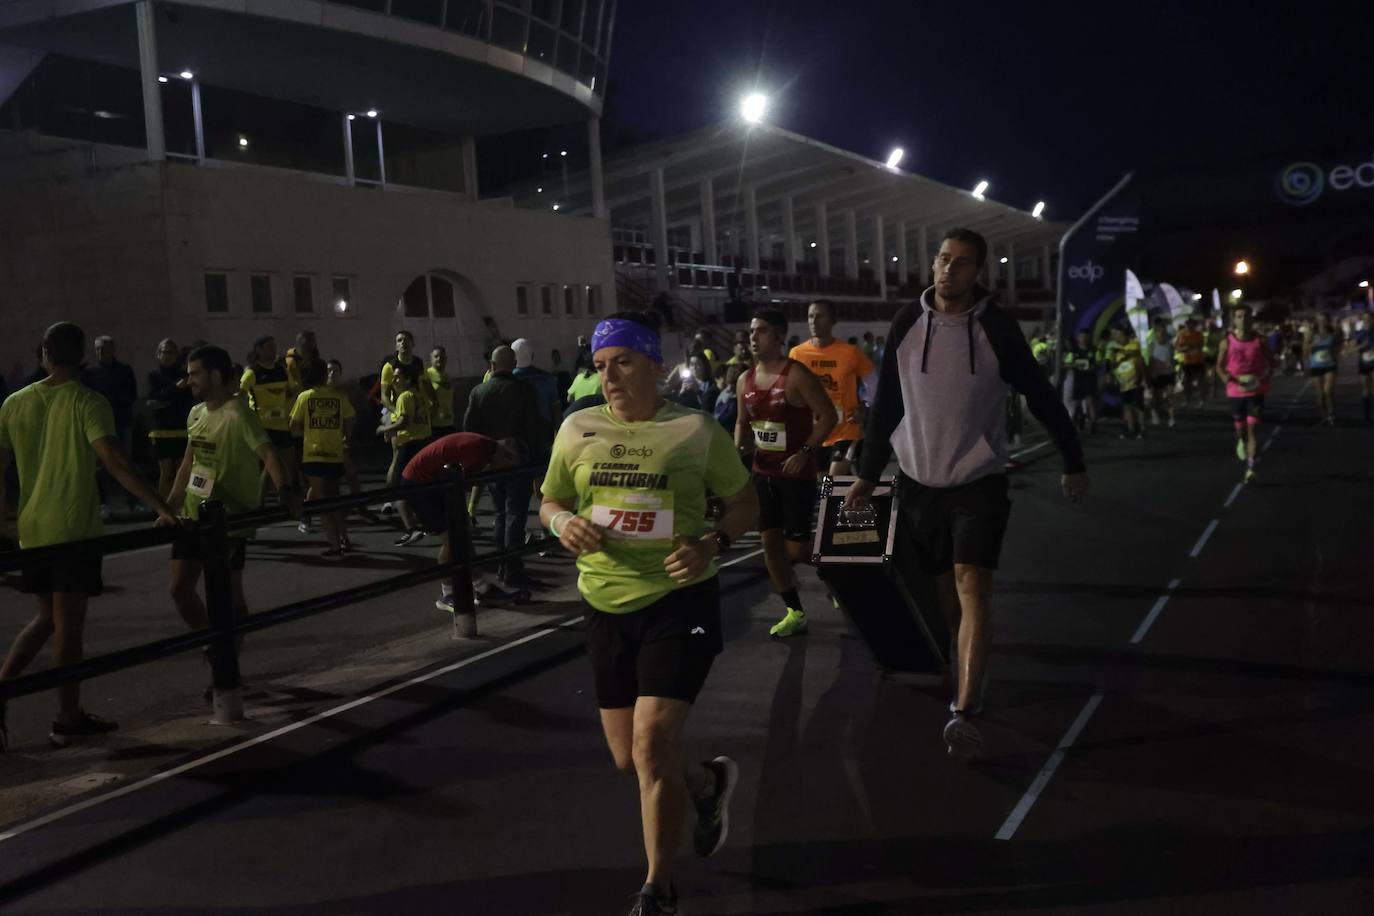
962,737
713,811
651,902
87,726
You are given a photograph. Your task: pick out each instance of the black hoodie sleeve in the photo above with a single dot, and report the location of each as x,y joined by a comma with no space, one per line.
1020,370
887,408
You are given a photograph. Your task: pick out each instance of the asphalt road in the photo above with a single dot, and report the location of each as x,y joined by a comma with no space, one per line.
1179,720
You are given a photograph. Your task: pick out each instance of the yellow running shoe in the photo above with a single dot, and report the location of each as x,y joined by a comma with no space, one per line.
790,625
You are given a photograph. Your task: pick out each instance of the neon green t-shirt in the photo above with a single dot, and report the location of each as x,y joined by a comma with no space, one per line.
416,410
643,483
49,429
583,385
321,413
224,447
442,387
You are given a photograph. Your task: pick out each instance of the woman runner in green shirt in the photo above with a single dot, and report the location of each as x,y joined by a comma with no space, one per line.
626,492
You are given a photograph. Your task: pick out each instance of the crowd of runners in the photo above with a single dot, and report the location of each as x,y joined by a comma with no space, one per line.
632,464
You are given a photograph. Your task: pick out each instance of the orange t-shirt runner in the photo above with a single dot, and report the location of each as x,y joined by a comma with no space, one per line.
1189,343
840,367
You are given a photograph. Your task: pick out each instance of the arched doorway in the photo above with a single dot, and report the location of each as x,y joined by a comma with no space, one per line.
443,308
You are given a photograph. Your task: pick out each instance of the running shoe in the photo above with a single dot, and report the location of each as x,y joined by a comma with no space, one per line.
713,811
1172,422
792,623
962,737
88,726
388,509
1240,449
413,536
305,527
445,602
1249,475
491,593
649,902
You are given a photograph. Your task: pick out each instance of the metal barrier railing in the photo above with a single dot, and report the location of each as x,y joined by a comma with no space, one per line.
220,639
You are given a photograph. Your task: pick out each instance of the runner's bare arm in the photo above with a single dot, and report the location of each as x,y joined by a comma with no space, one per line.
824,417
1221,361
574,532
111,455
691,555
743,438
178,494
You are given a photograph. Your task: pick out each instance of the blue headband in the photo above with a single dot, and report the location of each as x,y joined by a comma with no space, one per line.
621,332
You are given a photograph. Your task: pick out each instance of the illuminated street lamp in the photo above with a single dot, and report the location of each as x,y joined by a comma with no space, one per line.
1039,209
1236,294
753,106
1242,268
980,190
1364,284
894,158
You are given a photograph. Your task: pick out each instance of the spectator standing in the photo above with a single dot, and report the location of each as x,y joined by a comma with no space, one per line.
403,356
169,399
268,388
301,358
585,383
545,387
54,431
698,391
115,380
441,419
561,376
504,407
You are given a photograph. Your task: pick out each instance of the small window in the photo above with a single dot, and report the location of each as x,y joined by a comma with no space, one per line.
522,300
593,301
303,294
570,302
342,287
546,301
261,288
217,294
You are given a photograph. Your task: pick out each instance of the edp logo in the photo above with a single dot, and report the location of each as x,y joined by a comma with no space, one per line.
1087,271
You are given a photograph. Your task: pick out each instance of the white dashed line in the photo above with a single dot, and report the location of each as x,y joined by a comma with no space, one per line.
1042,779
1202,541
1154,612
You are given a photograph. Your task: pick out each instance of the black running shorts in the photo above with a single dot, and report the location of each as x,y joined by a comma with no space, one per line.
428,506
963,524
829,454
78,573
786,503
663,650
187,547
282,440
1163,382
1194,370
1133,398
1249,406
325,470
1319,371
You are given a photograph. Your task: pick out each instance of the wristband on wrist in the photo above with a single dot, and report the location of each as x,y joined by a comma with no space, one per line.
553,522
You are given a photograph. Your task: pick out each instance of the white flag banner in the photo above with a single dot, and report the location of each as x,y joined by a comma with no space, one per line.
1136,311
1133,291
1177,310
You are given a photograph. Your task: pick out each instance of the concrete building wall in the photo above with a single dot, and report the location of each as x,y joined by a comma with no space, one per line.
126,250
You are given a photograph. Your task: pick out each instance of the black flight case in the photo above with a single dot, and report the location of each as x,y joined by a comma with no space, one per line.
868,561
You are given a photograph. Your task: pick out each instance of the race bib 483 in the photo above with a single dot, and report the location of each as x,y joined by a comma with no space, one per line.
770,435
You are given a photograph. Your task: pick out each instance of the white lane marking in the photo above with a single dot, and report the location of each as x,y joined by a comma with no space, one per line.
1154,612
739,559
1034,448
1268,442
1234,493
1202,541
131,553
88,803
1042,779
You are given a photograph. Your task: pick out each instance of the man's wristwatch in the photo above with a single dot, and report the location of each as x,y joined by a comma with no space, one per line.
722,540
806,449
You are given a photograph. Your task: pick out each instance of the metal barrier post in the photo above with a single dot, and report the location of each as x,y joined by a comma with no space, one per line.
460,551
219,607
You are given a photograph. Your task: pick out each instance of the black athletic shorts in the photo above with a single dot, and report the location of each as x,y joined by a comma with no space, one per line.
282,440
187,547
1084,386
663,650
827,455
78,573
786,503
1133,398
1252,405
168,448
325,470
1320,371
963,524
1194,370
1163,382
406,451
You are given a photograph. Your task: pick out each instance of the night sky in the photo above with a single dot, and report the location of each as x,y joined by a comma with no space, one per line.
1050,101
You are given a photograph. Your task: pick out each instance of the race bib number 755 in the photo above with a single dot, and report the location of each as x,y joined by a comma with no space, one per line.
646,516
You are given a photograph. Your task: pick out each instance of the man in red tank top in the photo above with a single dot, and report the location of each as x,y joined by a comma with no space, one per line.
784,416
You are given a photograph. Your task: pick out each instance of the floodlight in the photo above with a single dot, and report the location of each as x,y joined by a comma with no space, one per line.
752,107
186,75
1242,268
1364,284
980,190
372,112
243,142
162,79
1236,294
1039,209
1004,260
894,158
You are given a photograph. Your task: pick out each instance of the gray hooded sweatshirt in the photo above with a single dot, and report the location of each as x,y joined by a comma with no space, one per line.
940,404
